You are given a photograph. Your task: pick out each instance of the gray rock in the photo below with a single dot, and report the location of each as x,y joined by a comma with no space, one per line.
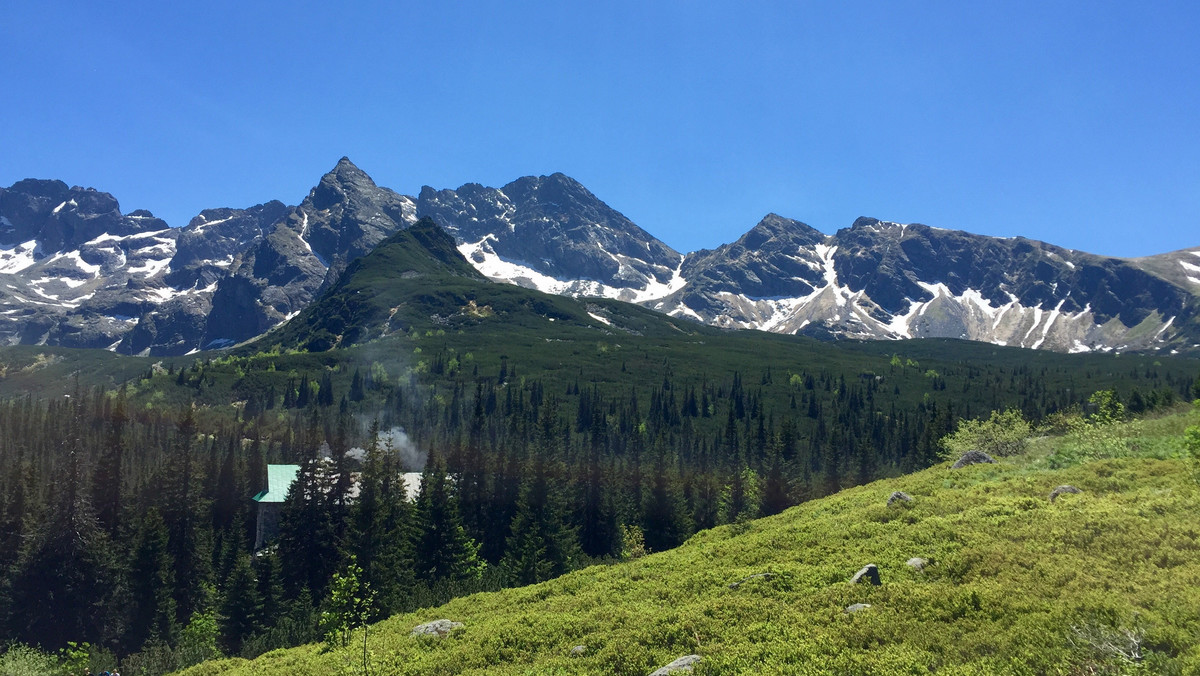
764,576
438,628
899,496
1061,490
854,608
869,573
917,563
683,665
578,651
973,458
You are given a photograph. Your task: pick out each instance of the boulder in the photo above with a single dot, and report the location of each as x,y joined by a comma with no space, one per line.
899,496
683,665
578,651
854,608
868,573
1061,490
973,458
438,628
764,576
917,563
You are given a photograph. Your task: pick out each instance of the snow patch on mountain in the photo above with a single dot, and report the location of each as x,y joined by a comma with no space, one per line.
74,257
15,258
150,267
482,256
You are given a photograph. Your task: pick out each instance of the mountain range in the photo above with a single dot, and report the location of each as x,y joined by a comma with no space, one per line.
75,271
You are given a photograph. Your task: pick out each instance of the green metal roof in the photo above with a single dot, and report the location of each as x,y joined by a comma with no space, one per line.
279,480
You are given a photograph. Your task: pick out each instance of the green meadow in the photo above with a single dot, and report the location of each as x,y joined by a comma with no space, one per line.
1104,581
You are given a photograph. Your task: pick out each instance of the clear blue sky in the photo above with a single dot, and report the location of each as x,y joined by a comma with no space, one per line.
1076,123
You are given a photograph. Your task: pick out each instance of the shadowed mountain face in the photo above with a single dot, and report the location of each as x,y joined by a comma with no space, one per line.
75,271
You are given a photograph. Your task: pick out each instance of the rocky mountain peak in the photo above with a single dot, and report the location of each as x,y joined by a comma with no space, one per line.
36,187
344,182
864,222
775,227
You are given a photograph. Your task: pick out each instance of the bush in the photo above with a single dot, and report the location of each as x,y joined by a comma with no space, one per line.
21,660
1002,434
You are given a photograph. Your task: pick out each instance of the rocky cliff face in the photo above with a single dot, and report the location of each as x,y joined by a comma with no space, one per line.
873,280
552,234
75,271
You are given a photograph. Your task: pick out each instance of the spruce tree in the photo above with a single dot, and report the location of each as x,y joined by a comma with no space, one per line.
241,607
444,551
188,526
665,523
542,544
380,529
775,486
108,477
306,546
62,583
152,581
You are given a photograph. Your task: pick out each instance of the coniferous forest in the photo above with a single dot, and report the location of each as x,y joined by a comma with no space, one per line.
128,523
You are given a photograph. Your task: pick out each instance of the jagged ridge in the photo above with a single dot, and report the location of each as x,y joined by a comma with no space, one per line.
76,272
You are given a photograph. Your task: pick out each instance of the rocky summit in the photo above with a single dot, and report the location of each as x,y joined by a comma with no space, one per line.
76,271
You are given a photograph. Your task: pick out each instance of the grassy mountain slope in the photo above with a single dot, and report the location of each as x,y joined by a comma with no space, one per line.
1016,584
416,279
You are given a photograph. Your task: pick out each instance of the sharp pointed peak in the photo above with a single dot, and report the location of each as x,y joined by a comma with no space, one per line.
346,170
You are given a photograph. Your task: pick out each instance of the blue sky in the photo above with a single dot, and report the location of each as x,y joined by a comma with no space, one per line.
1075,123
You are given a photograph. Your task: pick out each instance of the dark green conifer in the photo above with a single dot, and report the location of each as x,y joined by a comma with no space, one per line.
241,607
444,551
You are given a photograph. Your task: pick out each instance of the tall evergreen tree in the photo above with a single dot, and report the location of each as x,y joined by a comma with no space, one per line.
307,551
241,607
188,526
380,529
152,581
444,551
665,522
108,478
542,544
64,577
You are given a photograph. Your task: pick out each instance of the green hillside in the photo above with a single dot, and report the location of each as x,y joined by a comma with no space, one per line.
1103,581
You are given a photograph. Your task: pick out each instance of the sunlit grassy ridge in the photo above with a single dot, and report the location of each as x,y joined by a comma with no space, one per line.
1016,585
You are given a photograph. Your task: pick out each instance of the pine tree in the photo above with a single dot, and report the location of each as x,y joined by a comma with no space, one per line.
241,607
665,522
270,587
380,529
443,549
64,577
542,544
189,530
152,580
307,551
108,477
599,534
775,486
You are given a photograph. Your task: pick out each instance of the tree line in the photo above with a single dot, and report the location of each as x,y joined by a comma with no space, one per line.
129,525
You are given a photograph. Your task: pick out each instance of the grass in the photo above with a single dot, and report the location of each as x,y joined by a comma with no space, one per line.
1105,581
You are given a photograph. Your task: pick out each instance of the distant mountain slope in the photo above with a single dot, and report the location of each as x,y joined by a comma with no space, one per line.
885,280
417,279
874,280
75,271
1007,582
552,234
